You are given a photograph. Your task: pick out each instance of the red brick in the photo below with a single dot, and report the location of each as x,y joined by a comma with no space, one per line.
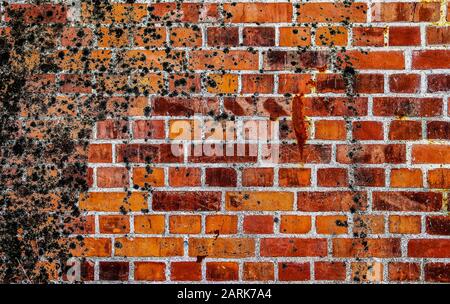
368,36
145,153
406,178
404,271
361,248
114,271
112,177
331,201
362,83
404,36
367,130
429,248
148,129
292,247
258,224
438,83
399,106
438,130
259,36
438,225
405,130
37,13
405,12
331,224
100,153
223,36
437,272
294,83
222,271
257,177
371,154
438,35
377,60
72,36
404,83
439,178
329,271
289,271
430,59
185,224
221,177
257,83
185,271
332,177
407,201
112,129
221,224
186,201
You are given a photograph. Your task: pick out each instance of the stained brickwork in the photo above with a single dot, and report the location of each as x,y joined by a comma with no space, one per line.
352,95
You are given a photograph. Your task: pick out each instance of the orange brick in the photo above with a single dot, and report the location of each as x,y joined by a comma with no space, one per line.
331,224
222,271
148,247
148,177
149,36
149,271
113,201
186,271
93,247
149,224
182,177
336,35
368,224
439,178
258,271
225,84
332,12
113,224
113,13
294,177
295,224
262,201
295,36
258,12
186,36
221,224
262,177
112,37
185,224
404,224
218,60
406,178
367,272
221,247
330,129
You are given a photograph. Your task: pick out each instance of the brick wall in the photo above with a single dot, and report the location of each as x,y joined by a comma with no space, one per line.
358,92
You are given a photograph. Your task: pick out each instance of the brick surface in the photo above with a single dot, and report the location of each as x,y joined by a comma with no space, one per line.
355,116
